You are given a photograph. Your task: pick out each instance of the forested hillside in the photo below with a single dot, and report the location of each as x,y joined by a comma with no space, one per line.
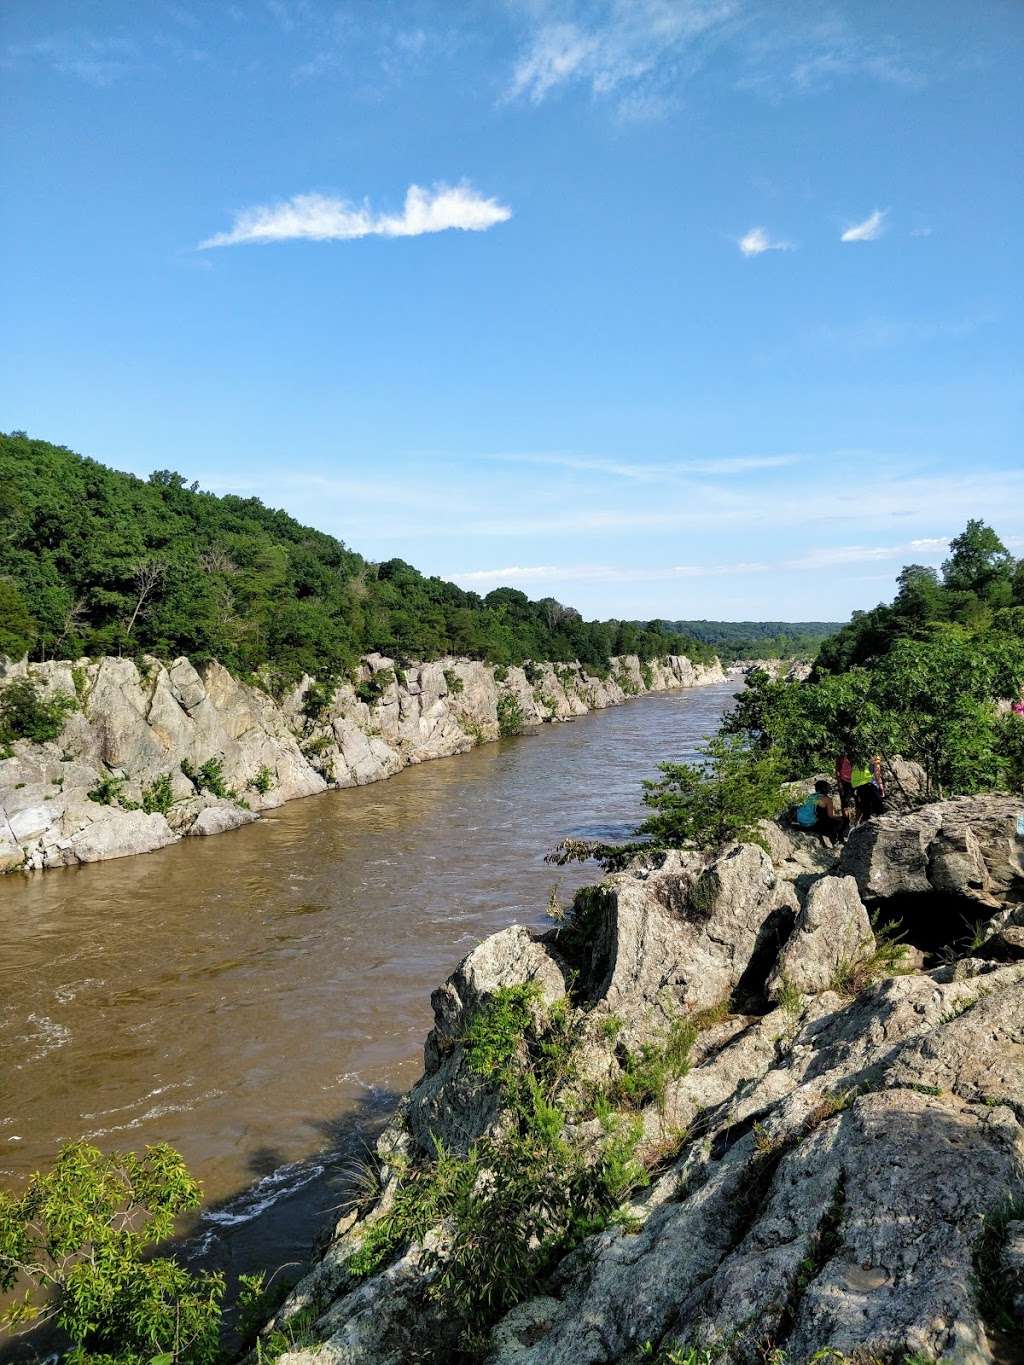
97,562
759,639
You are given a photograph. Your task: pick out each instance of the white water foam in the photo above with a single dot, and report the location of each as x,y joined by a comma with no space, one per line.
48,1034
279,1184
156,1111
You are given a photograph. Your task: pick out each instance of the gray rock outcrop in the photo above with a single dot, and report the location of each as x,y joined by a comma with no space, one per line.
821,1172
134,729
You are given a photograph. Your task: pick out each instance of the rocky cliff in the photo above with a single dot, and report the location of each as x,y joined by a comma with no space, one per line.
718,1113
244,752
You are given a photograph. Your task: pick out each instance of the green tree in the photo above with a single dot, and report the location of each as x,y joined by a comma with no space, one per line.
78,1238
17,628
708,804
979,563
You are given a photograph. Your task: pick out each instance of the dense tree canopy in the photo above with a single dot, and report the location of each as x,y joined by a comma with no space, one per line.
93,561
759,639
922,677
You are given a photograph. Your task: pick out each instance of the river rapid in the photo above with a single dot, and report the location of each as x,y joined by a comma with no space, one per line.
260,999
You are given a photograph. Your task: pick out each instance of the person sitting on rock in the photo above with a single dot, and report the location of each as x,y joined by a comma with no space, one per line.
818,813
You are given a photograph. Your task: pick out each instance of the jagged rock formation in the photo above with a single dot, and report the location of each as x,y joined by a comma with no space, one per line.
138,727
823,1150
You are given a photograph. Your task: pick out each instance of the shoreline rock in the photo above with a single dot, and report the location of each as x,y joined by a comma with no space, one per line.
822,1165
134,729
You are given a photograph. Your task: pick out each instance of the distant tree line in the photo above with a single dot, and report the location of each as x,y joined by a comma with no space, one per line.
759,639
97,562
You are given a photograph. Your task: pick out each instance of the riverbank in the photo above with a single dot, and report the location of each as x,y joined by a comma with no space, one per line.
152,755
258,1001
717,1113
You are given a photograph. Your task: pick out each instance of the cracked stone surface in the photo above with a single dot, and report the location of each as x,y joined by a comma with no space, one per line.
831,1162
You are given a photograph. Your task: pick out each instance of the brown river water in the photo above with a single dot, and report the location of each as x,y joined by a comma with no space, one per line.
259,999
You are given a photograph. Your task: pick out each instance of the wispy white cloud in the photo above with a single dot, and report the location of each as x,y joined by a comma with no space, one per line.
824,557
321,218
875,334
921,232
757,241
653,472
869,230
97,61
895,497
641,52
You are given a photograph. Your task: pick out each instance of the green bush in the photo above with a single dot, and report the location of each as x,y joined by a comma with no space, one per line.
209,777
521,1198
158,798
510,715
453,682
496,1030
712,803
373,688
107,791
80,1238
317,698
24,714
263,781
501,674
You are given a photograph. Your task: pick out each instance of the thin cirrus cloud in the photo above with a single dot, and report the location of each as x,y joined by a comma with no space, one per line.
757,241
321,218
869,230
642,472
820,558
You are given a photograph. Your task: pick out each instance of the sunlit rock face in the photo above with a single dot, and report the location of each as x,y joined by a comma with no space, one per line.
136,728
823,1169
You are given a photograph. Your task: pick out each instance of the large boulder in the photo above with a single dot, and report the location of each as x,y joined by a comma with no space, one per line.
966,848
118,834
831,929
820,1172
676,931
450,1104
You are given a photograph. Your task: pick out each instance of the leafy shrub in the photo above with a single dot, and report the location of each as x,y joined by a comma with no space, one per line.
263,781
209,777
373,688
510,716
496,1030
533,672
24,714
107,790
158,798
79,1237
646,1074
521,1198
317,699
453,682
500,673
711,803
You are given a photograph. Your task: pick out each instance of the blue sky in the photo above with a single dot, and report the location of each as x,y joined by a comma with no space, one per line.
664,308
